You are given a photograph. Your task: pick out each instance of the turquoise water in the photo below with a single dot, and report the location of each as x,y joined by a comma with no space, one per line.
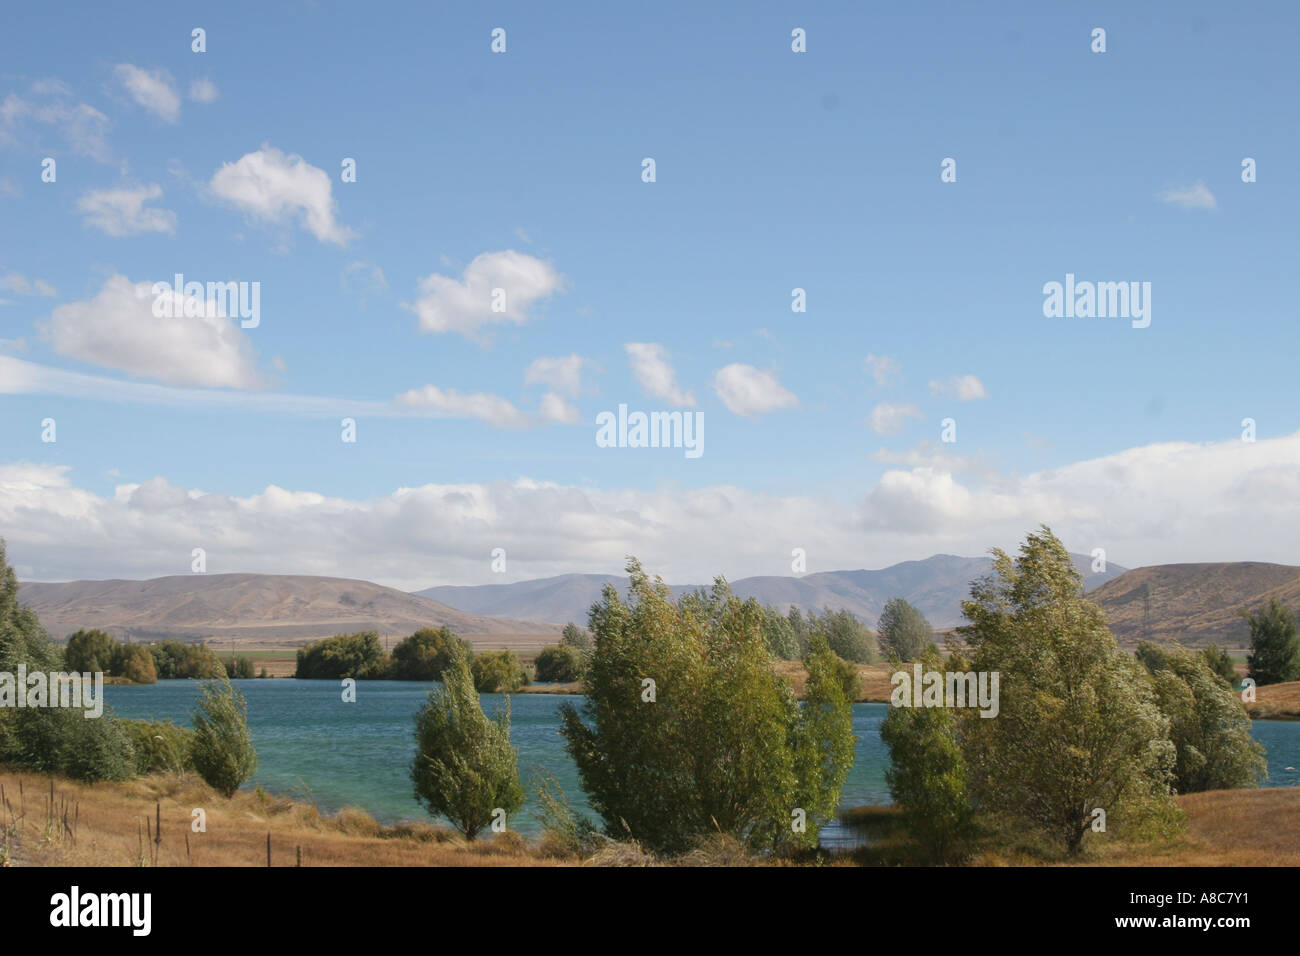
310,743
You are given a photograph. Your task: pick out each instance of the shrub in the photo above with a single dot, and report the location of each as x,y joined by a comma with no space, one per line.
222,751
359,656
160,746
559,663
425,654
465,768
498,672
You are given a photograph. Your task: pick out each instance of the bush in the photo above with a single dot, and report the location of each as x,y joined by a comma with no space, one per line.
359,656
498,672
160,746
465,768
687,729
425,654
222,749
560,664
176,661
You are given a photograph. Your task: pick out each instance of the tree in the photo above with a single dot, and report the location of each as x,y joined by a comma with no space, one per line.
1220,663
576,637
425,654
779,634
465,768
176,661
847,636
91,651
222,748
135,663
687,730
1208,725
239,668
927,773
904,631
1274,650
359,656
823,739
1078,727
559,663
498,672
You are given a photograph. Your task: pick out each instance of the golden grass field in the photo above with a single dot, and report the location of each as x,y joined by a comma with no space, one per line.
111,824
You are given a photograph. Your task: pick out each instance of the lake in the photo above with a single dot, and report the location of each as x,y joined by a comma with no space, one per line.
312,745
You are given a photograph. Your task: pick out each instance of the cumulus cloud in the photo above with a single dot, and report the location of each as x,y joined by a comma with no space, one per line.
122,212
749,391
557,410
495,288
888,418
203,90
118,329
964,388
654,373
1196,196
449,403
152,89
51,104
884,370
563,373
274,187
1172,502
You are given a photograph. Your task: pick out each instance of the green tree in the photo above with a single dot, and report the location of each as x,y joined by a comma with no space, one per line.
1220,663
904,631
822,738
176,661
687,730
91,651
465,768
160,746
222,750
135,663
780,635
559,663
847,636
1078,726
498,672
577,637
1274,650
425,654
359,656
1208,725
927,773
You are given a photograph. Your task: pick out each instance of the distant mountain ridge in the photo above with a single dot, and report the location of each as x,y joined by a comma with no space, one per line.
936,585
258,608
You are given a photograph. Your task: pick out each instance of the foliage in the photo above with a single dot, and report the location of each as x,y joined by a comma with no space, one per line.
359,656
577,637
425,654
904,631
559,663
91,651
846,635
780,636
160,746
176,661
465,768
222,749
1220,663
239,668
498,672
1274,649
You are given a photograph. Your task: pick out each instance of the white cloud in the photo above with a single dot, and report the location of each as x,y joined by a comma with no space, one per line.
50,103
203,90
275,187
654,373
563,373
466,305
1175,502
557,410
20,285
1196,196
154,90
883,369
449,403
888,418
748,391
122,212
964,388
117,329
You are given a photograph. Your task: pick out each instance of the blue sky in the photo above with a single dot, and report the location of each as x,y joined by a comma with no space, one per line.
774,170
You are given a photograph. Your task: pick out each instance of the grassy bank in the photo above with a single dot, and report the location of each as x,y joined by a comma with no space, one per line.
1276,702
113,825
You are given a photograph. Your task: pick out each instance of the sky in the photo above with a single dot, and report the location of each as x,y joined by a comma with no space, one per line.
499,272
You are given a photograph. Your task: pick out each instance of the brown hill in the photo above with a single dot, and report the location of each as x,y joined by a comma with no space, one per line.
1194,603
259,609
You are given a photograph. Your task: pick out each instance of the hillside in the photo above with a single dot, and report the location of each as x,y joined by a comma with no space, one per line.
936,585
1194,603
257,609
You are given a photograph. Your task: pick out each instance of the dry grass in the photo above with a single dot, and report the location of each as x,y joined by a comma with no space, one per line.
875,679
1276,702
114,822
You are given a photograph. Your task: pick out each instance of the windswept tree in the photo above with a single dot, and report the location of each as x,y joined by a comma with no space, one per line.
1078,727
904,631
1274,650
687,730
780,635
222,749
847,636
576,637
465,768
1208,725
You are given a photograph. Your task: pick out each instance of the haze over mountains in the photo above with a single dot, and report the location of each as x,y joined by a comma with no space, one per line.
936,586
258,609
